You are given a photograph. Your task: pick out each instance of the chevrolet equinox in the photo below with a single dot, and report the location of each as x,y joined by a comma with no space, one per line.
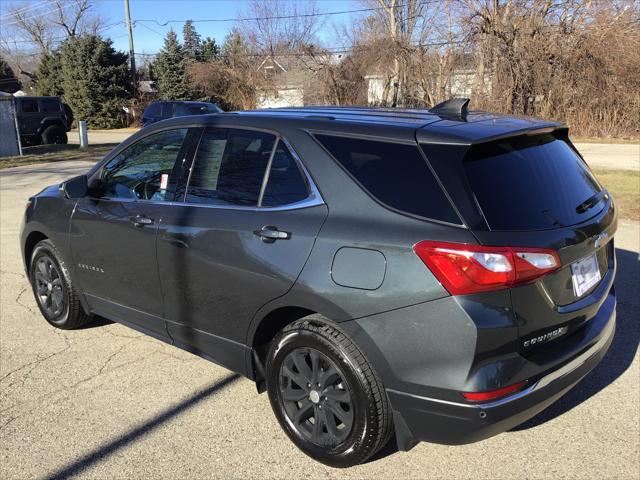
438,276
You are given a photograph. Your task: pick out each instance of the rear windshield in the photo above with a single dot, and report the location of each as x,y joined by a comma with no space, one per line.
393,173
530,183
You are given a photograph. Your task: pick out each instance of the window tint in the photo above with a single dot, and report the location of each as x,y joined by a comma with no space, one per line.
286,184
396,174
530,183
143,171
153,110
50,105
29,105
167,110
183,109
229,167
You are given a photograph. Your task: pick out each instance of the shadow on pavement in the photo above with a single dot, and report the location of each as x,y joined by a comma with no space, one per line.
622,350
95,323
136,434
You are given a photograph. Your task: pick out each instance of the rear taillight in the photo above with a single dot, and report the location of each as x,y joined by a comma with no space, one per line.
493,394
464,269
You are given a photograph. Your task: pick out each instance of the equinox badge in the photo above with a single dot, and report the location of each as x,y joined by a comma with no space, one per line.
546,337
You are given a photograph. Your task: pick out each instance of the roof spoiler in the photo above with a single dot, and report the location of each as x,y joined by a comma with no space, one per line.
452,109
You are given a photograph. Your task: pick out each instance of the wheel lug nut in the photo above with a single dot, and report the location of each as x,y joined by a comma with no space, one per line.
308,385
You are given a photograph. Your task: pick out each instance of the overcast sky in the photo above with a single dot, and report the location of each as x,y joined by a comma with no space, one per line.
148,36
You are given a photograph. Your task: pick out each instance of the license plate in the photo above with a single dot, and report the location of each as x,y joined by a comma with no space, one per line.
585,274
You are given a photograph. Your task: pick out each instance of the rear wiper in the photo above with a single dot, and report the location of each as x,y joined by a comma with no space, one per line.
593,200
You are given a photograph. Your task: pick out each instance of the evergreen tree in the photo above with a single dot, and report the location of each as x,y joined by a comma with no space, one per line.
191,38
169,70
49,75
8,81
95,80
234,49
209,50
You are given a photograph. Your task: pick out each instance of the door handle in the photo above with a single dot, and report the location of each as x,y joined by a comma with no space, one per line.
141,220
269,234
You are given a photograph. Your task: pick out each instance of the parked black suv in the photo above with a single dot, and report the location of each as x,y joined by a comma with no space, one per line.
157,111
438,275
43,120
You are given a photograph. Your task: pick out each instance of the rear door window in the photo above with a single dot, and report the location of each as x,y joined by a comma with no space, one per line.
530,183
167,110
229,167
286,184
49,105
29,105
395,174
153,110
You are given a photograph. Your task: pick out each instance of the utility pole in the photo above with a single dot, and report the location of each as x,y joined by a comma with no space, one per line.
132,55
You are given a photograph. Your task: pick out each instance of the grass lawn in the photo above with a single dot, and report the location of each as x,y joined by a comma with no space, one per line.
624,185
56,153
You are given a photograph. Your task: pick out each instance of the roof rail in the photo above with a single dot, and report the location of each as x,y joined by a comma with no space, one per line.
453,109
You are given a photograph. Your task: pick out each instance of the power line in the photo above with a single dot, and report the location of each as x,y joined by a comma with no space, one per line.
21,20
277,17
25,9
109,26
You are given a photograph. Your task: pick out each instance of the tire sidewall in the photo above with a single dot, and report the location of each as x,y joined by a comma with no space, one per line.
54,135
45,249
346,453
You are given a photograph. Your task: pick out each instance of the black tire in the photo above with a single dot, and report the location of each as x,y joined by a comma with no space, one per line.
53,290
54,135
356,421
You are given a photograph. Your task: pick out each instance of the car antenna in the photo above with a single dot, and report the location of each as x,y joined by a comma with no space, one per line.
452,109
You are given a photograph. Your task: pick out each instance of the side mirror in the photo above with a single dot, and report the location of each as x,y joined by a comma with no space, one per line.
75,187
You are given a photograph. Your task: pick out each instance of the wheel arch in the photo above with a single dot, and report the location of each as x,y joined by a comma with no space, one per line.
48,122
31,241
264,331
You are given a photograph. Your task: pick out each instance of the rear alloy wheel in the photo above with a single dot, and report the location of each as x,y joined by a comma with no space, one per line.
315,397
325,394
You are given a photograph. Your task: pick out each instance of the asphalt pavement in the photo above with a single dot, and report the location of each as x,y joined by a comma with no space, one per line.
106,402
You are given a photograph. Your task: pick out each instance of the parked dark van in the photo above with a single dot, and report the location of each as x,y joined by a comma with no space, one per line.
436,276
157,111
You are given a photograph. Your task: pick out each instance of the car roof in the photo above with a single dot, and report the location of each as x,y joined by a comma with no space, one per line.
471,127
403,123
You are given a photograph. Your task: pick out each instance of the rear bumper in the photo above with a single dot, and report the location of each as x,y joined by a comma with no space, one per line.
422,418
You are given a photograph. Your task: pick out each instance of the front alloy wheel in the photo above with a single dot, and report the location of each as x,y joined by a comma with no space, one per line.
50,290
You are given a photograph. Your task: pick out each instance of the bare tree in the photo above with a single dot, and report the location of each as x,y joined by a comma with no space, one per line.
280,26
60,20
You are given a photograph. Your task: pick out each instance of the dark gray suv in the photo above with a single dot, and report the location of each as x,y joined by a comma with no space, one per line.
435,276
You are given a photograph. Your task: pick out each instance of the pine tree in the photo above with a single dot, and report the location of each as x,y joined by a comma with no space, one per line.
49,75
234,49
169,70
95,80
209,50
8,81
191,39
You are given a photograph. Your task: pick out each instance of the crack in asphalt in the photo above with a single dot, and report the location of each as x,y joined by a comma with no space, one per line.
19,298
48,395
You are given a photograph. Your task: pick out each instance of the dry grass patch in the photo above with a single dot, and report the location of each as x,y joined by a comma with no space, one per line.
624,185
56,153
